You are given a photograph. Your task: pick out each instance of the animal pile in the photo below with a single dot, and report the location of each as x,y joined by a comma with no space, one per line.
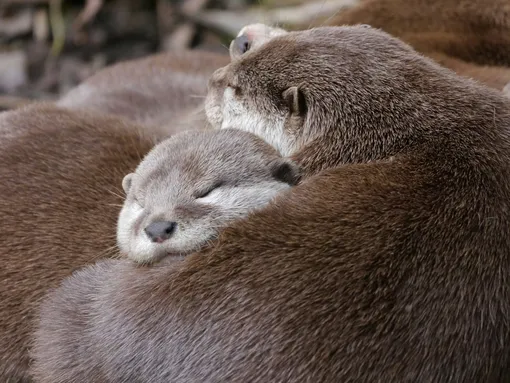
322,205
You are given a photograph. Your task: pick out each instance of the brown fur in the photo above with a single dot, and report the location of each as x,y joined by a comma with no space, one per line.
471,37
164,90
390,263
61,173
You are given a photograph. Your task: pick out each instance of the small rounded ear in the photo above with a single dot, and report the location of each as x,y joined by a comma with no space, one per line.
284,170
127,181
295,100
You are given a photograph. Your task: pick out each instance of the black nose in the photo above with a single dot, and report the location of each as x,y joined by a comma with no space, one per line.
241,45
160,231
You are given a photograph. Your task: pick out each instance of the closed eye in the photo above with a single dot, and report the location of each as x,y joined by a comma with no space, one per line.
208,191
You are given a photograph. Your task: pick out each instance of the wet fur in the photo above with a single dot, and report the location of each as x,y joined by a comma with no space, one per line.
389,263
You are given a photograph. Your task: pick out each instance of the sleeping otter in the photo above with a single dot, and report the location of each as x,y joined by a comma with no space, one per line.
192,185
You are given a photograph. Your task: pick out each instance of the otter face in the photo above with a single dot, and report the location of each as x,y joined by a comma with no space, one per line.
342,84
227,105
191,186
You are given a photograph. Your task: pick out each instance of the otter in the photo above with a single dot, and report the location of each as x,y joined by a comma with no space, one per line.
389,262
193,184
164,91
471,37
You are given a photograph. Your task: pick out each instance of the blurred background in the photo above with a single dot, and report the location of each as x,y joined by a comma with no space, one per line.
49,46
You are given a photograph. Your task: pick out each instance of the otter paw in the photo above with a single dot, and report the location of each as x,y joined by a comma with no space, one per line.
251,37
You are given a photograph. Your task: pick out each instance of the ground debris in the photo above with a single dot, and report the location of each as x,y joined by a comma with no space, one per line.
49,46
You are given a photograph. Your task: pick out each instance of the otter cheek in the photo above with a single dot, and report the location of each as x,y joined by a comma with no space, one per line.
192,237
130,215
124,228
213,108
245,199
245,116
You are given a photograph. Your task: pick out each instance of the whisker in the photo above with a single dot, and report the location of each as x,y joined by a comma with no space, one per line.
109,252
115,194
333,15
117,189
316,14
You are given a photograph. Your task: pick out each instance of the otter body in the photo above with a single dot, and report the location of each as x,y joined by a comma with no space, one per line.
164,91
390,262
471,37
59,183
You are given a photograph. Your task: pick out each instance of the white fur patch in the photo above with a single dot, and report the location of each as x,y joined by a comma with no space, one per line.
137,246
270,128
237,200
213,110
233,203
230,203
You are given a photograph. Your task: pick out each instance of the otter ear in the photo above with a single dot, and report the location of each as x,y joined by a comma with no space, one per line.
284,170
127,181
295,100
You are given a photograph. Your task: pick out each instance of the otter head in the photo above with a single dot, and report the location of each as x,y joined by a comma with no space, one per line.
190,186
348,94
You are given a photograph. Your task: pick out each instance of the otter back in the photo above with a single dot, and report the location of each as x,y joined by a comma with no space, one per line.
165,90
59,180
471,37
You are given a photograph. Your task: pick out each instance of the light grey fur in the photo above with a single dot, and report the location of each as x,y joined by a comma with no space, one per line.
240,171
225,108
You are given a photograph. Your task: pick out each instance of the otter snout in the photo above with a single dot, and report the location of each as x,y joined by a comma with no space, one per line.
160,231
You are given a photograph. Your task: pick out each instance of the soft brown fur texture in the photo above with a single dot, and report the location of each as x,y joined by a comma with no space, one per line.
61,173
164,90
471,37
60,182
389,263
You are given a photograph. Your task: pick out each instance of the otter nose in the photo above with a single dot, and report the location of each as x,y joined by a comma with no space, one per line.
160,231
240,45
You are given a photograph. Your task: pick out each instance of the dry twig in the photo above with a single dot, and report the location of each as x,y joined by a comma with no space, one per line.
87,14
